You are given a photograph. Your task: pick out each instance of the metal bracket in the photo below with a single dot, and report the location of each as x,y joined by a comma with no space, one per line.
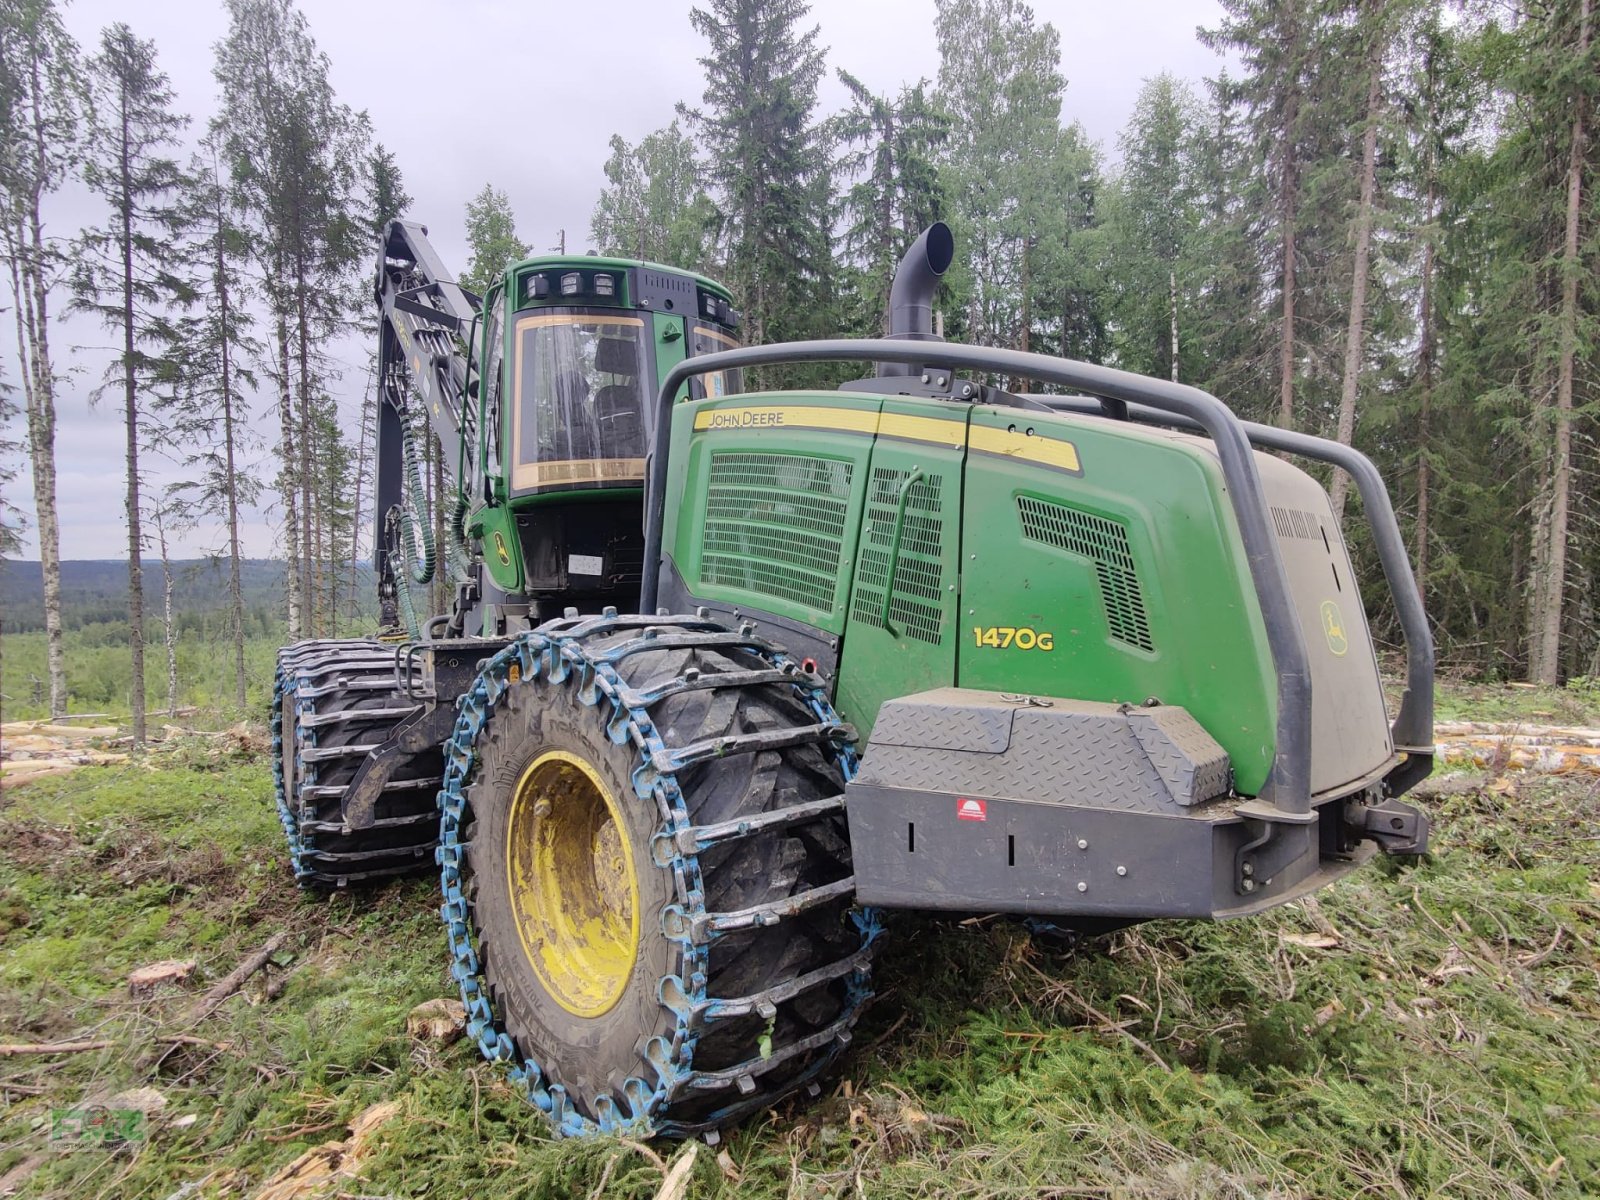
1397,827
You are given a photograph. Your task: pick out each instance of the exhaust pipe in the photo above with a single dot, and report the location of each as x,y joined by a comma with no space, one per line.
911,295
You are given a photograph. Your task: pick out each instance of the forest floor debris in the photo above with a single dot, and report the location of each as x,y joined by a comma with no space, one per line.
1418,1029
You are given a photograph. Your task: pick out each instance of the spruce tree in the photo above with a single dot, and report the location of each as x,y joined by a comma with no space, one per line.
128,272
888,148
768,162
386,194
204,407
1154,228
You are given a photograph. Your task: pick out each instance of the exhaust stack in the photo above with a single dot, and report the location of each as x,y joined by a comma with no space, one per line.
911,295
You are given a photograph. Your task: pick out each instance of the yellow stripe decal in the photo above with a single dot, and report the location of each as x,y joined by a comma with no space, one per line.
950,434
787,416
923,429
1034,449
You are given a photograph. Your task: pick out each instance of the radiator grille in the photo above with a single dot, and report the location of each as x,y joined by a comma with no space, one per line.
1105,544
774,524
916,606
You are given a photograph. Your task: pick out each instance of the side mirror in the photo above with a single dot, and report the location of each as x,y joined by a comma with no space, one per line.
472,389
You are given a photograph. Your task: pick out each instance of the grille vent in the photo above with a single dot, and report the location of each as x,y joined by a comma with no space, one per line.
774,524
1105,544
916,606
1296,523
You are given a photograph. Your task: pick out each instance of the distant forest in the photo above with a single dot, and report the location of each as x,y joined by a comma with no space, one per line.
95,591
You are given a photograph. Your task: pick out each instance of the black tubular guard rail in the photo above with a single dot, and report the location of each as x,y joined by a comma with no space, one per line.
1413,725
1287,793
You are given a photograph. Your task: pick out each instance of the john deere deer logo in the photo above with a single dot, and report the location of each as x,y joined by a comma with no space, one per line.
505,555
1333,628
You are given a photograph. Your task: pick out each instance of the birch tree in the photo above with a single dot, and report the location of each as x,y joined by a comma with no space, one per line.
43,102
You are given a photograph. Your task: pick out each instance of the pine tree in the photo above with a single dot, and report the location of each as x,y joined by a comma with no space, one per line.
127,272
654,205
491,239
1375,28
1559,75
42,102
767,161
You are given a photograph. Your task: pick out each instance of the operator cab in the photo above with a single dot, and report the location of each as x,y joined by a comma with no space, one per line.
572,354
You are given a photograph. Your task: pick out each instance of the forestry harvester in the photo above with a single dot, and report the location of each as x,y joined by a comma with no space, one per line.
728,673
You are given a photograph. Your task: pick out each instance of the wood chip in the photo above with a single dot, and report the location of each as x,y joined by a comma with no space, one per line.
676,1184
1311,941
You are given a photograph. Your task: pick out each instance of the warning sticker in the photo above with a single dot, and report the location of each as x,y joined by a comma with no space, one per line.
972,810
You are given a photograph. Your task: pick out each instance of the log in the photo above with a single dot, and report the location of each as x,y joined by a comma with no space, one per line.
235,979
8,1049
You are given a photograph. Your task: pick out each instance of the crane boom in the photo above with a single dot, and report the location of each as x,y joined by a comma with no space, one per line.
425,320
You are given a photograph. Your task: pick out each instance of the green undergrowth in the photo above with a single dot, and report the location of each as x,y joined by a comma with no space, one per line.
1422,1030
1578,703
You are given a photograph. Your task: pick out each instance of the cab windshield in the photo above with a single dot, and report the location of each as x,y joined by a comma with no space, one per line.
581,400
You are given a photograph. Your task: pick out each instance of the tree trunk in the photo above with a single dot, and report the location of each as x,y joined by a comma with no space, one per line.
1426,357
1550,566
289,483
130,394
367,421
231,478
310,566
168,630
1287,215
1356,331
1172,289
41,407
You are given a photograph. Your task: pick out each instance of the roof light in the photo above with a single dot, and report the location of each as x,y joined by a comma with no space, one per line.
537,287
605,285
571,283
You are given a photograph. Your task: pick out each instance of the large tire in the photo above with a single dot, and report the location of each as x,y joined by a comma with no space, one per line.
606,975
334,701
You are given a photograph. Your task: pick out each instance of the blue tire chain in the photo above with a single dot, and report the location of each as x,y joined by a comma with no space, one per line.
555,654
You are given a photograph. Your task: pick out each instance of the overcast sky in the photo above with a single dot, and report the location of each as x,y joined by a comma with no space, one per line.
524,95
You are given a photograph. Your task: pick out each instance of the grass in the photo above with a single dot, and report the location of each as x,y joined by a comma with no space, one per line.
1424,1030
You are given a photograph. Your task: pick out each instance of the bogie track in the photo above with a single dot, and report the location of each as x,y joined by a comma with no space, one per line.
334,700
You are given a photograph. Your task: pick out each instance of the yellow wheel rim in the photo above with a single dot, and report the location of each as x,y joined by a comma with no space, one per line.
573,890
